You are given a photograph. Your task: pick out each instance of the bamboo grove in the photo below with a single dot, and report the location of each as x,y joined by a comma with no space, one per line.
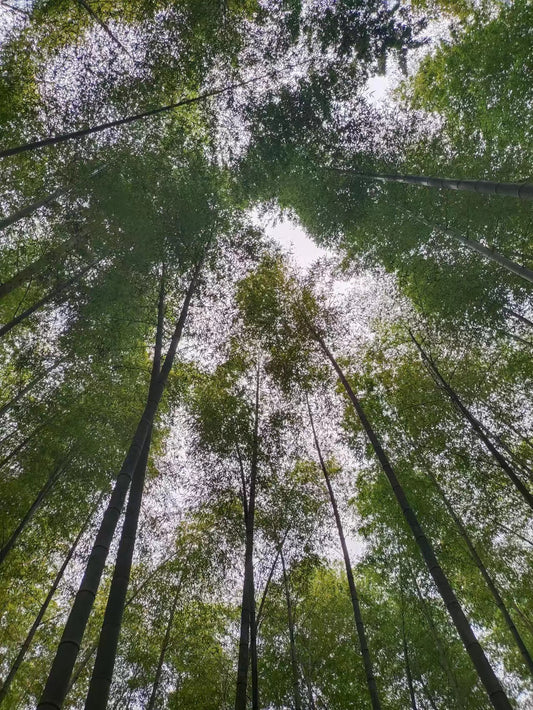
230,479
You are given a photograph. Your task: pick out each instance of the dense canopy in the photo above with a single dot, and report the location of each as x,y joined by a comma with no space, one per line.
232,476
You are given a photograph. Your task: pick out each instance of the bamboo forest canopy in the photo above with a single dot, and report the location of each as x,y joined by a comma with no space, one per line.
228,478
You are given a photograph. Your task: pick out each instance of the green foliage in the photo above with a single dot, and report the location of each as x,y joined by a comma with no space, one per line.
167,194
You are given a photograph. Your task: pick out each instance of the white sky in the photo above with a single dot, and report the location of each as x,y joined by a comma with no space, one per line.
293,238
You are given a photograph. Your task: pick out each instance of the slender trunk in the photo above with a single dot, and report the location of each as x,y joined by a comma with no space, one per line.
487,252
408,673
19,447
89,653
476,425
103,25
428,694
513,532
9,405
310,698
57,683
518,316
31,208
359,623
486,576
28,210
36,267
91,650
53,140
102,675
253,652
441,650
485,672
269,579
523,191
294,660
42,611
405,647
508,334
164,647
47,298
517,460
247,608
34,507
527,621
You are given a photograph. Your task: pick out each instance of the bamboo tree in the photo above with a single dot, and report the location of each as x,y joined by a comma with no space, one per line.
164,646
31,384
72,135
294,660
30,209
522,191
34,269
34,507
476,425
248,592
47,298
485,574
444,661
519,317
44,606
486,674
408,673
11,455
57,683
102,675
359,623
271,571
405,648
487,252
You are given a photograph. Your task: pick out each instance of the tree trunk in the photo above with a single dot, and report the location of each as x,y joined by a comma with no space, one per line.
47,298
42,611
253,653
103,25
57,683
102,675
476,246
359,623
9,405
31,208
89,653
485,672
428,694
34,507
522,191
486,576
54,140
20,446
517,460
34,206
35,268
441,650
405,647
269,579
474,423
294,660
164,646
408,673
248,594
518,316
